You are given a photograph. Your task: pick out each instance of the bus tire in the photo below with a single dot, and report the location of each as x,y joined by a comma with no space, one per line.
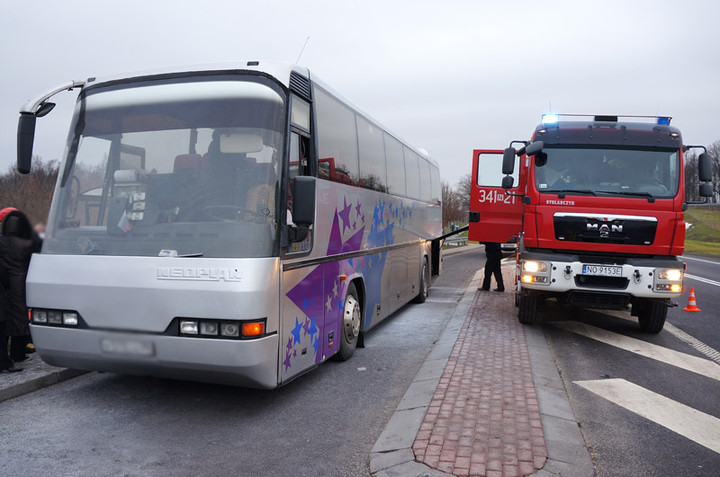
652,315
527,309
350,325
424,284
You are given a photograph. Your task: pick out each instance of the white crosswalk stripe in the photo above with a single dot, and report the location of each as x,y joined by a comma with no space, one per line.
685,361
684,420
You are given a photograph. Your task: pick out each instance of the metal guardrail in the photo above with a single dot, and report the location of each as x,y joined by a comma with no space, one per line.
456,241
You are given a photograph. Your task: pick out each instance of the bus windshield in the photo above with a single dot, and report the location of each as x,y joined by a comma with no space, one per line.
608,171
184,168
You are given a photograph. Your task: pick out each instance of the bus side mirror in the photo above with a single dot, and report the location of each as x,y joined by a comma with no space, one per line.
705,167
25,138
508,164
507,182
534,148
303,208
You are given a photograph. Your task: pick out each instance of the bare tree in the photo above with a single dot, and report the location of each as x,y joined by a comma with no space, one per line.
31,193
463,187
452,208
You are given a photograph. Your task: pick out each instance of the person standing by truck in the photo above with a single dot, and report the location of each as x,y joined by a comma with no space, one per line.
493,252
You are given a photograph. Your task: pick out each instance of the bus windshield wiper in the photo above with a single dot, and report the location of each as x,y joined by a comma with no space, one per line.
191,255
649,196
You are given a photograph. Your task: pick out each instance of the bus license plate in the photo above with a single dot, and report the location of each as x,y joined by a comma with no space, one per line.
127,347
602,270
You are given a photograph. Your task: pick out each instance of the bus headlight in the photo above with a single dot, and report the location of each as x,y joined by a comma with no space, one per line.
205,328
188,327
39,316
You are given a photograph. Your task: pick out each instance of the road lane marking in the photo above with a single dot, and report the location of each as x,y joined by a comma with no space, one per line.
685,361
684,420
694,342
702,279
701,260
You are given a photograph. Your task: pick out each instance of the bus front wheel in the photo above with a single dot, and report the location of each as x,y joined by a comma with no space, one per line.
350,326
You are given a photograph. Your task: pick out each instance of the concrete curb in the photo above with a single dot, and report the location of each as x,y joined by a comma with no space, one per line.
39,382
392,454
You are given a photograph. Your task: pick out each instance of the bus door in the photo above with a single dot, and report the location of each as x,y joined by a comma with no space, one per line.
495,213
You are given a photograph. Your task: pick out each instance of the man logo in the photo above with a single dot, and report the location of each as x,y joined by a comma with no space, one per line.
605,229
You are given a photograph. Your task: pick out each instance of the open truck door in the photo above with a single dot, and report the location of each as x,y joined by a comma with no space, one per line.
496,211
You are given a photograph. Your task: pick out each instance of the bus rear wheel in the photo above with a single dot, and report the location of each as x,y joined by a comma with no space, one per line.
350,326
424,284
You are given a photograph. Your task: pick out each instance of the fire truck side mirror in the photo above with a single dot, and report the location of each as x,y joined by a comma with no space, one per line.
705,167
706,190
507,182
508,164
534,148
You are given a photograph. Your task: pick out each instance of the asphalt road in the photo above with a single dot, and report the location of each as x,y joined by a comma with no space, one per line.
642,413
322,424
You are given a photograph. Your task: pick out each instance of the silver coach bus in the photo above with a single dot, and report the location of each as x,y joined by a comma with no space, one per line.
236,224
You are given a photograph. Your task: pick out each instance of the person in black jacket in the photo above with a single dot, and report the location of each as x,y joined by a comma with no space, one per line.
493,252
18,242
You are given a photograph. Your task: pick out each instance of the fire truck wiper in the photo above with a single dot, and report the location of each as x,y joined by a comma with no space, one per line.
649,196
561,192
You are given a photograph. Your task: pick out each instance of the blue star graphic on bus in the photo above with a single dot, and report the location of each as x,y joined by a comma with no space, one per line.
296,331
320,294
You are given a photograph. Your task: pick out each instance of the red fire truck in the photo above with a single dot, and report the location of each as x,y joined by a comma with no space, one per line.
595,205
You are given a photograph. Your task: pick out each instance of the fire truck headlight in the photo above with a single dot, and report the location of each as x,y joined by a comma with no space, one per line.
533,266
670,274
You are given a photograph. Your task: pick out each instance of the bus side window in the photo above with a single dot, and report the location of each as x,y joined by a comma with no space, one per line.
299,163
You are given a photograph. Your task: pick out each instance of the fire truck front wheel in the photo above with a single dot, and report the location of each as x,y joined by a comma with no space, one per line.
527,311
652,315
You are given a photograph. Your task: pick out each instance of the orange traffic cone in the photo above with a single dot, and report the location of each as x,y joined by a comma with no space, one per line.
692,306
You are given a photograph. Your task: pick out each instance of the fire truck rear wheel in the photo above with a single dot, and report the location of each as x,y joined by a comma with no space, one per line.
652,315
527,312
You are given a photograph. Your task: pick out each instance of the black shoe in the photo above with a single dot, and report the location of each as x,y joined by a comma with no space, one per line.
484,289
499,290
11,369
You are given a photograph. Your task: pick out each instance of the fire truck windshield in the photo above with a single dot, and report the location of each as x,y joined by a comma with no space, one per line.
597,170
172,169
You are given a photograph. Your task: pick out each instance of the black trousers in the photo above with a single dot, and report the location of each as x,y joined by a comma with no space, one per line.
5,361
492,267
17,347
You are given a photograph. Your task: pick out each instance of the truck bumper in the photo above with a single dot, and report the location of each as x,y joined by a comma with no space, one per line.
600,281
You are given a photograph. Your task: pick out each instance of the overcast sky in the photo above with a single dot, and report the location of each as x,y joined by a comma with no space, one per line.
447,76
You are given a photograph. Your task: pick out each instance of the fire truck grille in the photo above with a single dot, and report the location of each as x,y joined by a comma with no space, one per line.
599,300
608,283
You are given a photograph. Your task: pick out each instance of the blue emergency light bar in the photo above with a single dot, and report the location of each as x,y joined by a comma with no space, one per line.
554,118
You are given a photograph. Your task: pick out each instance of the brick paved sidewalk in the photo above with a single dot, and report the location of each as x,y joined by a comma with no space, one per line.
483,419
